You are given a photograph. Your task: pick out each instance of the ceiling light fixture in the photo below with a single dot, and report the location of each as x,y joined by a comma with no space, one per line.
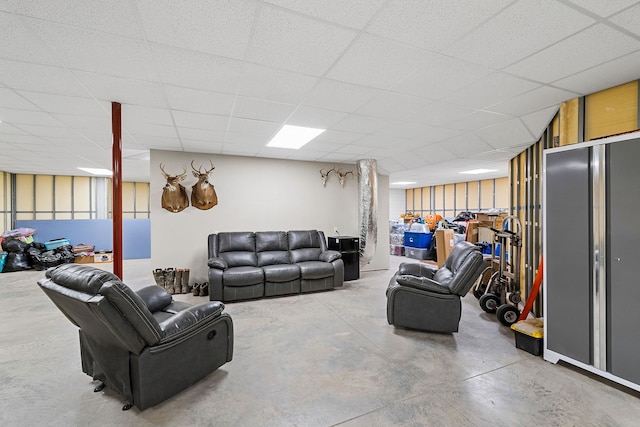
479,171
97,172
403,183
294,137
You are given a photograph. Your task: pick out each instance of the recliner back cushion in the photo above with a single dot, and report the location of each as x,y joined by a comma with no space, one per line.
272,248
465,263
80,278
304,245
238,248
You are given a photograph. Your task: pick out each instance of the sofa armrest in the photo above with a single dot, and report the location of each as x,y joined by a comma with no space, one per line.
330,256
155,297
184,322
422,283
417,269
218,263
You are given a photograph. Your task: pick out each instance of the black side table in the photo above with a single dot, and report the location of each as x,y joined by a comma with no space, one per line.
349,247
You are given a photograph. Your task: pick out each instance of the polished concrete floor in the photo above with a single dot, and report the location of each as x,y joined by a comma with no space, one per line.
321,359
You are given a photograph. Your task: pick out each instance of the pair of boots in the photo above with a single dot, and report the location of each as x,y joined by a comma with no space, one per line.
175,281
201,289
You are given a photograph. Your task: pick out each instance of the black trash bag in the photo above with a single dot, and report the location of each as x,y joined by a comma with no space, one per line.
66,254
42,260
465,216
16,261
15,245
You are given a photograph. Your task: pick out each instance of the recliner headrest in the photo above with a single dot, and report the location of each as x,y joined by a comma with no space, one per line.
80,277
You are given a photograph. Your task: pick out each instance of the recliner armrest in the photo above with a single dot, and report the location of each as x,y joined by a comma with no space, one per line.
417,269
191,318
155,297
218,263
422,283
330,256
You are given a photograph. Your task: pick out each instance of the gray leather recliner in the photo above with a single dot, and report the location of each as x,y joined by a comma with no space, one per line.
143,345
421,296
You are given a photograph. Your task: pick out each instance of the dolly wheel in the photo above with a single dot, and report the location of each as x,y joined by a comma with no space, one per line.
489,302
507,314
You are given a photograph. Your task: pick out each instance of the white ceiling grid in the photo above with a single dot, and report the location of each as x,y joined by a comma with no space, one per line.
428,89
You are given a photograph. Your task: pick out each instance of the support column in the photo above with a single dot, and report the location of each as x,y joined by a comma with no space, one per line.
368,209
116,163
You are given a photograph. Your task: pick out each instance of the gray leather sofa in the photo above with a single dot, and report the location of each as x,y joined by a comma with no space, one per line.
249,265
421,296
143,345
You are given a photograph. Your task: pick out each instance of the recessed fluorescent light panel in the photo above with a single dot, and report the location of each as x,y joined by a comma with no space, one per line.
403,183
98,172
294,137
479,171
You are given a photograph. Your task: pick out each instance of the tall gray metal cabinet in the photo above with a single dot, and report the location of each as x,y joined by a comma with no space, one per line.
592,270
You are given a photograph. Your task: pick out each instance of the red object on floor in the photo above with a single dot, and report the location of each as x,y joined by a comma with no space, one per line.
535,289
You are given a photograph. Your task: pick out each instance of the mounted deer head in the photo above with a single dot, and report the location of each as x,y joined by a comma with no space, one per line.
343,176
174,196
203,195
325,175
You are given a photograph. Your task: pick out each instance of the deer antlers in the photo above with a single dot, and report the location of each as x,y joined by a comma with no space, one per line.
179,176
342,175
199,172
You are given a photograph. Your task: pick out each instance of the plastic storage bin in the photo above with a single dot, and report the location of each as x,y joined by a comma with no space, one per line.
529,335
416,253
417,240
52,244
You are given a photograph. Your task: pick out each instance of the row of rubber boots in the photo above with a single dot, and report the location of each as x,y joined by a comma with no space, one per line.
175,281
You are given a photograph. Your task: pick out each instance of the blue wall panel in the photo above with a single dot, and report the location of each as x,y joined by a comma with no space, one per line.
136,234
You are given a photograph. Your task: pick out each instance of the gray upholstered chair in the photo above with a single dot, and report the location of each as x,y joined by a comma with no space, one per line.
421,296
143,345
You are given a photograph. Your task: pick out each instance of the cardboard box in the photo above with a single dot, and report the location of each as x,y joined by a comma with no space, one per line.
472,231
84,259
103,256
444,245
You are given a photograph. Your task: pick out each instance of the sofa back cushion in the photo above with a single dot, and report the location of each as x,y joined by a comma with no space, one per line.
305,245
237,248
272,248
461,268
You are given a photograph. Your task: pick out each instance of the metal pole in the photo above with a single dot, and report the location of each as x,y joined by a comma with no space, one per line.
116,162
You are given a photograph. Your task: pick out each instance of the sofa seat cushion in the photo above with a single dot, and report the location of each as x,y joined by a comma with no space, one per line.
315,269
281,272
243,276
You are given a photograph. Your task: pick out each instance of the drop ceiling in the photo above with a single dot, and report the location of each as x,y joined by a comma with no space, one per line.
427,88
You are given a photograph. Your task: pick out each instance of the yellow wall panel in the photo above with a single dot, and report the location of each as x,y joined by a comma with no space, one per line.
502,193
611,111
438,204
449,199
409,200
24,194
44,194
461,197
81,194
569,122
142,198
63,196
486,194
473,196
426,198
417,199
128,197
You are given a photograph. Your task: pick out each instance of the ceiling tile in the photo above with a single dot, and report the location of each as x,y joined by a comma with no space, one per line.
197,70
195,146
200,121
537,122
504,134
200,101
27,117
139,113
67,104
361,124
254,127
466,145
338,137
586,49
376,62
315,117
628,19
490,90
604,8
150,129
40,78
440,114
518,31
435,153
21,43
258,109
354,13
432,25
87,50
296,43
270,84
123,90
393,105
12,99
201,134
220,27
115,16
335,95
537,99
612,73
479,119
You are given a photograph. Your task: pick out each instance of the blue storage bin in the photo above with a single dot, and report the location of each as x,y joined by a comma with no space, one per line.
52,244
417,240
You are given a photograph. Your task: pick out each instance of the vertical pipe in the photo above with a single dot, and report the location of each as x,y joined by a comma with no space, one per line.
116,162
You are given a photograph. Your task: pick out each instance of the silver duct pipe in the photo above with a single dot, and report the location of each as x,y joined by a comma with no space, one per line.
368,209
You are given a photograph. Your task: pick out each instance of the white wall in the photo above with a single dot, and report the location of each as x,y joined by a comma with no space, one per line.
397,203
255,194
